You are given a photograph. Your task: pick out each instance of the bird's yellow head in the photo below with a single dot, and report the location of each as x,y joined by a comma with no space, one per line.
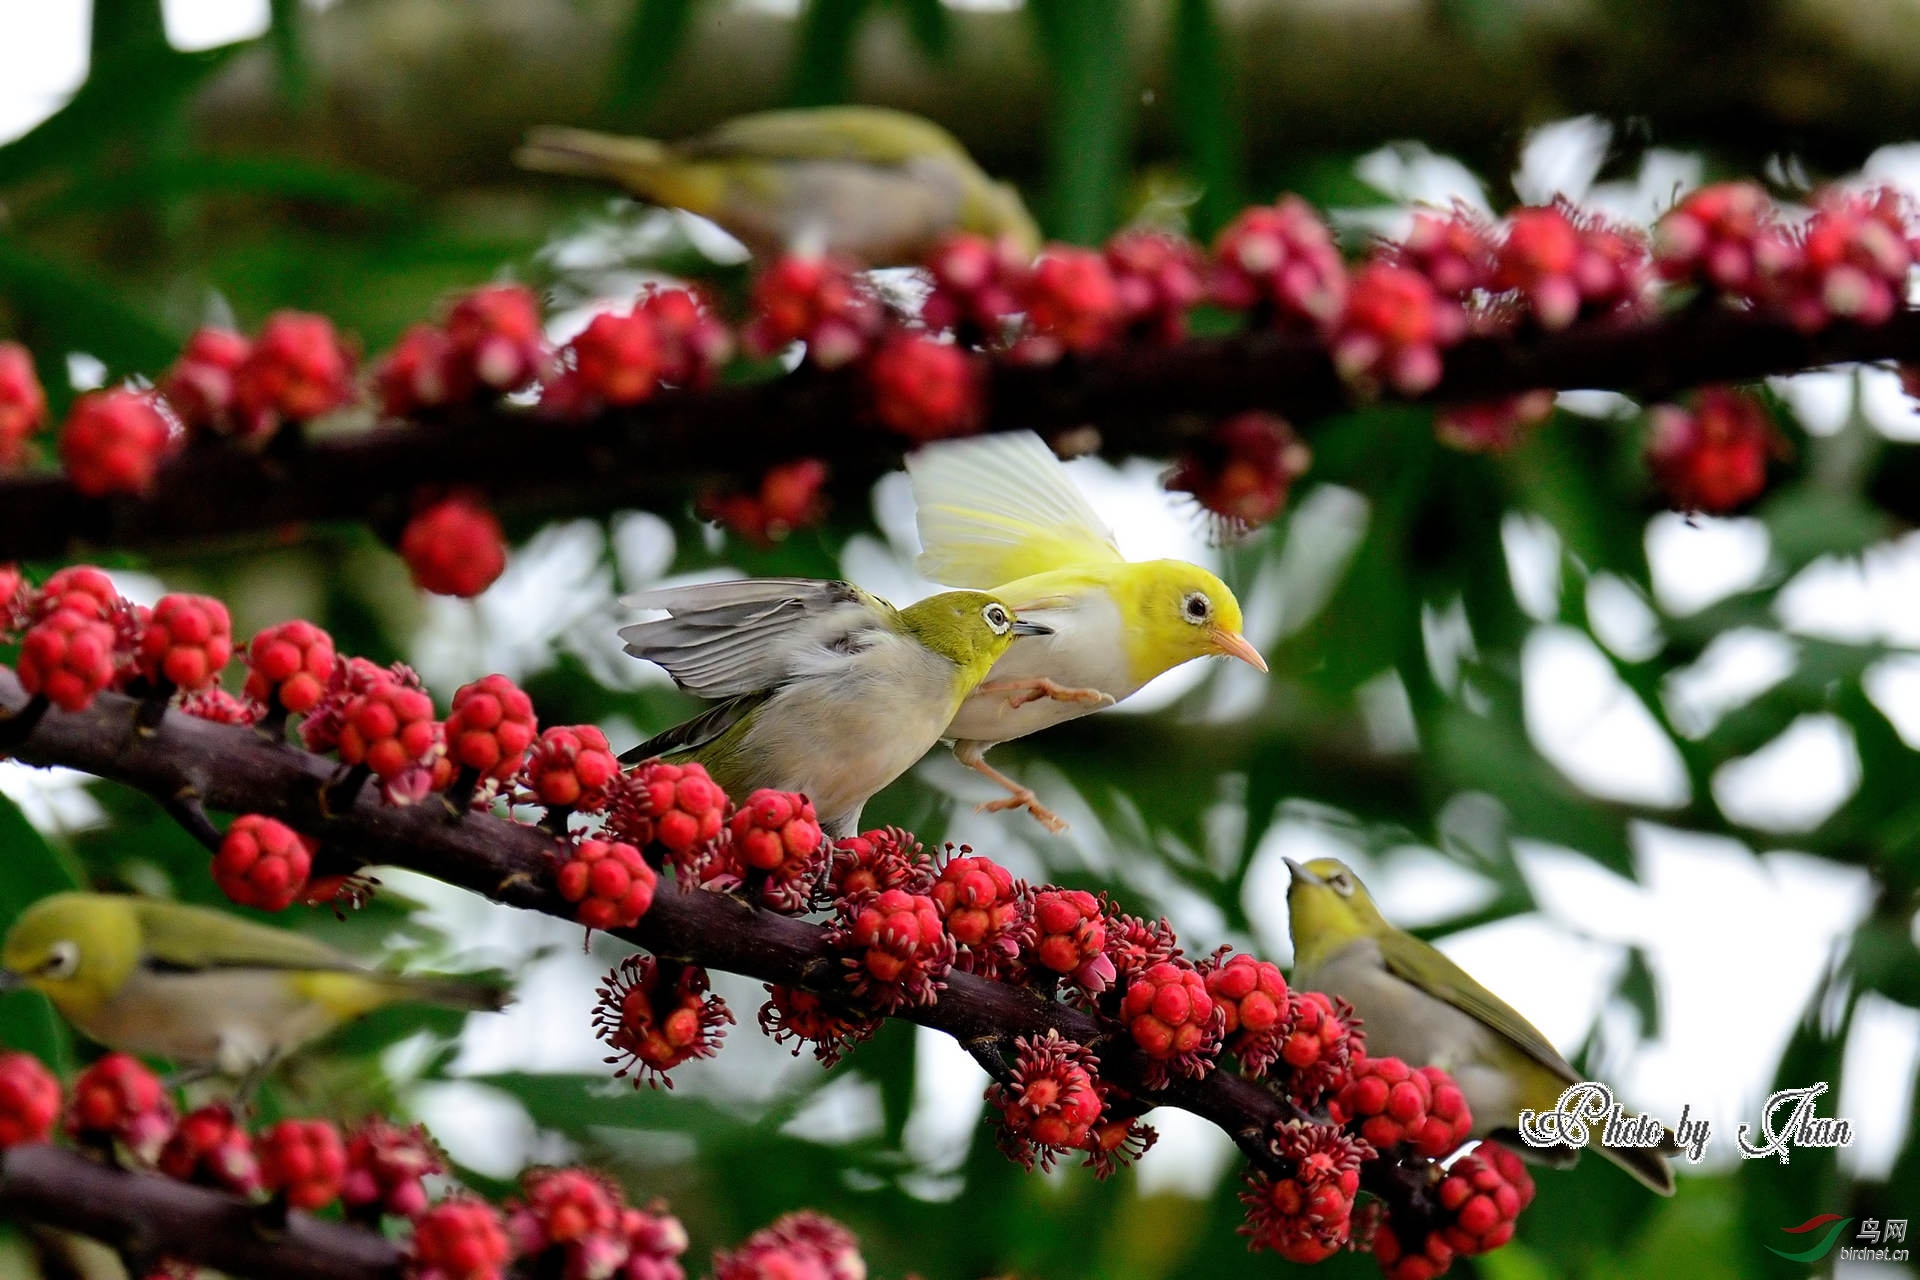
969,628
1328,907
1183,613
74,948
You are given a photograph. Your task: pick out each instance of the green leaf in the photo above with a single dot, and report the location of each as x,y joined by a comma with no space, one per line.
931,26
1084,43
64,308
1200,82
823,60
651,40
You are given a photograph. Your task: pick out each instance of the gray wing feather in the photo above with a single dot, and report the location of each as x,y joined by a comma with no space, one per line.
694,733
725,639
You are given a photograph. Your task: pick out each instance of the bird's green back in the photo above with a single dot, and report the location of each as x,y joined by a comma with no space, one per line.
188,937
875,135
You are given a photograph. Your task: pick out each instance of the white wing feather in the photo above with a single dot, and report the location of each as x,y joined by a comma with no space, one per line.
724,639
999,507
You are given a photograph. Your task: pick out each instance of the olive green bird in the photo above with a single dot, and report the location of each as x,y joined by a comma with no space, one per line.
1424,1009
875,185
212,993
822,688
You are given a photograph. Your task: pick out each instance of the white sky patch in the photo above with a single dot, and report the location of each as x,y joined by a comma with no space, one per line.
1189,1158
1699,561
1734,669
948,1096
1621,618
1821,399
1795,782
1885,404
1894,686
54,801
1857,599
1532,548
1593,728
42,61
1562,159
208,24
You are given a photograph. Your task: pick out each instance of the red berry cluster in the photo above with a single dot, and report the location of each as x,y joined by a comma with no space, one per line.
1242,471
490,344
822,302
1304,1211
896,948
656,1015
117,1104
1049,1103
984,909
1713,457
777,841
29,1099
1255,1011
609,881
570,767
800,1244
788,498
1393,1105
23,404
672,812
1479,1199
113,442
262,862
453,546
209,1147
489,728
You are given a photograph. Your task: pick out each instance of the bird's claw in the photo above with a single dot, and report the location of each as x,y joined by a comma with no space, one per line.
1021,692
1024,799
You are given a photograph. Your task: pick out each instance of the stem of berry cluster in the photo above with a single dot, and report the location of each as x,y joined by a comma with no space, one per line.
1146,400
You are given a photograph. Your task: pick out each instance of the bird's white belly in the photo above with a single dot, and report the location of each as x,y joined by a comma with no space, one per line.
1087,650
233,1019
1402,1021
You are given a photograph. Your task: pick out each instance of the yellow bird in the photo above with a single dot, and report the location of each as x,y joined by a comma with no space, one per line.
876,185
208,991
1424,1009
1000,513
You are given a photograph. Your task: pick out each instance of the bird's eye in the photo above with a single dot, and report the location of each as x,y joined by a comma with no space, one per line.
997,619
63,960
1341,884
1197,607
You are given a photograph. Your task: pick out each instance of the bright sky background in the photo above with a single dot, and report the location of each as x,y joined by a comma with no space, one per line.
1736,942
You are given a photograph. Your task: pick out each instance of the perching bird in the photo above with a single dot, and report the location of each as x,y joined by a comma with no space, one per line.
876,185
1424,1009
212,993
824,689
1000,513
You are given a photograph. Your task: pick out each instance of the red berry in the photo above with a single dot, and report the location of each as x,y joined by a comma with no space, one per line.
819,301
1454,251
1433,1257
800,1246
199,387
421,372
389,728
1484,1192
1390,1105
1855,253
896,949
1243,471
610,881
68,657
1492,426
776,832
303,1161
655,1240
23,404
676,808
113,442
923,388
29,1099
562,1207
1050,1101
385,1165
1393,329
1280,258
982,907
454,547
978,287
1171,1017
1565,264
1158,279
263,863
789,498
883,858
461,1238
655,1016
694,342
1320,1047
617,357
118,1100
1726,237
80,587
1712,458
1072,303
791,1013
298,369
188,639
496,337
1068,936
290,665
490,727
572,767
212,1149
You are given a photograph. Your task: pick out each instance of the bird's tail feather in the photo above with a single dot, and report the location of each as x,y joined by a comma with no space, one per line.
582,153
1647,1165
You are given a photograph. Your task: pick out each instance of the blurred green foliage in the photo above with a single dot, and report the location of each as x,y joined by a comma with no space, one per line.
122,233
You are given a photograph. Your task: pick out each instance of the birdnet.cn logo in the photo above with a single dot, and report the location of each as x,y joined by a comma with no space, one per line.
1819,1234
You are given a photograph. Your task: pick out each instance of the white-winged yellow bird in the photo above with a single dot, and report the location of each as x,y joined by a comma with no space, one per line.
208,991
1420,1007
877,185
1000,513
824,689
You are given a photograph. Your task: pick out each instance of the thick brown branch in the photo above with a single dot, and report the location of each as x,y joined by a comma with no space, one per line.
148,1216
1144,400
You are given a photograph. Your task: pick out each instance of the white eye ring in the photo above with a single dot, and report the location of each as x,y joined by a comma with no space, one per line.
63,960
997,620
1196,608
1340,884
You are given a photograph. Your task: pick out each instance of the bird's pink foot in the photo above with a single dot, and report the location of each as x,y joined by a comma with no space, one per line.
1025,799
1021,692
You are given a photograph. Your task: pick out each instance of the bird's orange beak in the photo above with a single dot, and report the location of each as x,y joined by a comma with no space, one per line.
1234,645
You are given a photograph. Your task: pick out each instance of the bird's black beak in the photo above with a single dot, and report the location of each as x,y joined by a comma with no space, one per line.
1300,874
1025,628
10,981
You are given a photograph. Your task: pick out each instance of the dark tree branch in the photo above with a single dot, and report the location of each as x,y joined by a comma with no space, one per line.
149,1216
1149,401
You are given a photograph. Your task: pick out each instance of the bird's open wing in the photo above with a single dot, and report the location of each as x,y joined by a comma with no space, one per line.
692,734
870,134
725,639
1444,980
999,507
183,937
